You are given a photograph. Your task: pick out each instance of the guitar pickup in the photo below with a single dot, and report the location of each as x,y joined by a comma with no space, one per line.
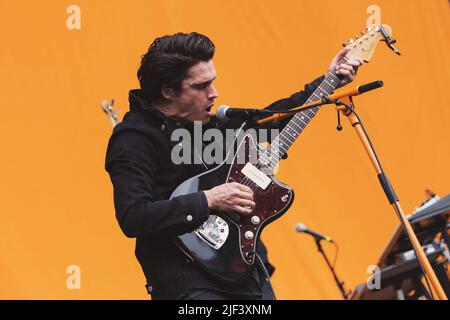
257,176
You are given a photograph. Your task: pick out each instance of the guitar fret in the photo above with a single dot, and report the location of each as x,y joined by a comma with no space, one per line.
298,127
298,122
287,137
303,122
309,114
322,93
328,87
273,159
335,79
279,146
302,115
283,135
294,135
282,142
270,159
290,134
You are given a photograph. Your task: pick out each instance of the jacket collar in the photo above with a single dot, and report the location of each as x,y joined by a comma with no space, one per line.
139,102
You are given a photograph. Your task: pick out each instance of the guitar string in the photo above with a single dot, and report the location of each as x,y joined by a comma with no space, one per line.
265,158
246,181
295,120
269,159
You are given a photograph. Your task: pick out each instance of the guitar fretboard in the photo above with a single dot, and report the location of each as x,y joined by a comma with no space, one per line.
299,121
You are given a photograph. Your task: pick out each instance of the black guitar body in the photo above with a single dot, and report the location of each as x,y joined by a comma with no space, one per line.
225,244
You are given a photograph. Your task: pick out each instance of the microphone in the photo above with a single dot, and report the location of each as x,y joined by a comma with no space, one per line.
356,90
224,113
302,228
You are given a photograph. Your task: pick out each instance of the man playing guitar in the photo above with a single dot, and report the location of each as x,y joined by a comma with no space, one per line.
176,78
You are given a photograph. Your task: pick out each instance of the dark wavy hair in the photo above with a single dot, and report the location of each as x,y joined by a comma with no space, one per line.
168,60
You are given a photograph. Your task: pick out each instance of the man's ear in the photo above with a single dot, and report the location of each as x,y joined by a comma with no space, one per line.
168,93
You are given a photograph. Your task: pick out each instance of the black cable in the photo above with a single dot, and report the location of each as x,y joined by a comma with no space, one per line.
267,275
293,111
336,252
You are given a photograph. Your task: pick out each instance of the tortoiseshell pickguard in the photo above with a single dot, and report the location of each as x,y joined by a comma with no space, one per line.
271,202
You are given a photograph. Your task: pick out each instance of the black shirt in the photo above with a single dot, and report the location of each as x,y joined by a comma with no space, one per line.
138,160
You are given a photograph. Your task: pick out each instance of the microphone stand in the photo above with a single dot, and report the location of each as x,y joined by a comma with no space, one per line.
344,106
339,283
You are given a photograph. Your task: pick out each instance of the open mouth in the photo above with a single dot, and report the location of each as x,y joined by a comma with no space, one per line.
209,109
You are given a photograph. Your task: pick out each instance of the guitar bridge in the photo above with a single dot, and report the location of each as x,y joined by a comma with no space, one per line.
214,231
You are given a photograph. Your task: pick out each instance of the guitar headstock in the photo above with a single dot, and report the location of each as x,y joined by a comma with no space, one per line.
363,46
107,108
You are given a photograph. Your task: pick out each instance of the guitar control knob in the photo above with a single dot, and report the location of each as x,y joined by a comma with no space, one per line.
255,220
249,235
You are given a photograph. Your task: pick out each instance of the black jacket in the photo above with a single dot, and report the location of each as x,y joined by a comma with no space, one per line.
143,176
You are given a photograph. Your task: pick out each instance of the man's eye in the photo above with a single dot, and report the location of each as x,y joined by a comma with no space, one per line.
203,85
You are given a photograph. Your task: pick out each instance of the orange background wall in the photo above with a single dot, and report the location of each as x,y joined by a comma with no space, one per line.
56,199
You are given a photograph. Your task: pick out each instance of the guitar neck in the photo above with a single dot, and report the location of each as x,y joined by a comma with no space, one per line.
299,121
114,121
107,108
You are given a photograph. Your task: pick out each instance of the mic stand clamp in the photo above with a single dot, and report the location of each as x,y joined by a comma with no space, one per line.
344,111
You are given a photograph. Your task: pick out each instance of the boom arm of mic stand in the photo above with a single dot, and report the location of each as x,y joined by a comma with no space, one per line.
291,112
326,100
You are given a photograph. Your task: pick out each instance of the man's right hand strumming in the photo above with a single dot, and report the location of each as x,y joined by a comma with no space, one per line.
231,197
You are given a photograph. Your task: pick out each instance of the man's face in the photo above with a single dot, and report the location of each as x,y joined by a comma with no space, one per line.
197,93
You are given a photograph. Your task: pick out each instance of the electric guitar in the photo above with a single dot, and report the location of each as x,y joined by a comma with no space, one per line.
225,244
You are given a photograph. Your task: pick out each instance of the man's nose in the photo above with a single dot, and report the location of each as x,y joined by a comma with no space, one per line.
212,94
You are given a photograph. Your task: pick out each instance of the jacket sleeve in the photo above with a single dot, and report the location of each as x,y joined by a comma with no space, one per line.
297,99
130,162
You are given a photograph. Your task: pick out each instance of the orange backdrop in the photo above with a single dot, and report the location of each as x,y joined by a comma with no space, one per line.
57,208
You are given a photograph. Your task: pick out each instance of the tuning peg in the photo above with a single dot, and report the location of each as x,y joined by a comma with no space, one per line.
349,42
363,33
